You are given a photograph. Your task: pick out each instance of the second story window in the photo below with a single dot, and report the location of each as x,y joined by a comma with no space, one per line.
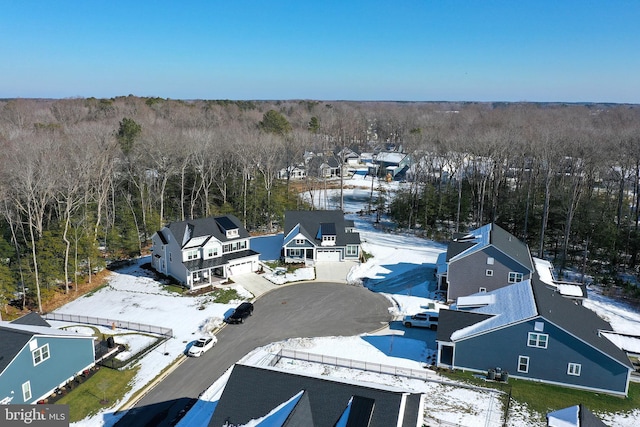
40,354
515,277
537,340
192,254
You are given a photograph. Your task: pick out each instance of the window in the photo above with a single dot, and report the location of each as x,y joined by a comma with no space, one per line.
328,238
211,252
523,364
515,277
296,252
40,354
489,273
192,254
170,260
242,244
574,369
482,290
539,327
490,260
299,241
26,391
226,248
352,250
538,340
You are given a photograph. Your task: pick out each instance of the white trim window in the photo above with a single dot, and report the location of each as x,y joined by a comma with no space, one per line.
523,364
212,252
574,369
300,241
296,253
352,250
490,260
537,340
26,391
192,254
515,277
483,290
489,273
40,354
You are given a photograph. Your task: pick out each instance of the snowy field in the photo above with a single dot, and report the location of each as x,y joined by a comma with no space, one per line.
398,260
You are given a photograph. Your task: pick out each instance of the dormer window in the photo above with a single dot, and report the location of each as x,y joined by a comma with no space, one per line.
232,233
193,254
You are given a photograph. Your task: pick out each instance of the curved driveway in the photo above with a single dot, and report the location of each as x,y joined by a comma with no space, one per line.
304,310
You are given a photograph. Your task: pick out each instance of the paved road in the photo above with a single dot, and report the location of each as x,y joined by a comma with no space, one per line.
303,310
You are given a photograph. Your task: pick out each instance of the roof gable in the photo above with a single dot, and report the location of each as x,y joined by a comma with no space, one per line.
494,235
323,403
321,222
200,230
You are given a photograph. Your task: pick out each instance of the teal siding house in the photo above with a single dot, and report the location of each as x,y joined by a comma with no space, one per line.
36,359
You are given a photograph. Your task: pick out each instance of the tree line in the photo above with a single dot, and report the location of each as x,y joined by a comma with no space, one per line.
84,180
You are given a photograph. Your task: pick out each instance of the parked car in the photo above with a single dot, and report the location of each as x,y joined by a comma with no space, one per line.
427,319
243,311
201,346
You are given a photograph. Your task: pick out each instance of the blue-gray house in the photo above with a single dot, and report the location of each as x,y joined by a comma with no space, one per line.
532,331
36,359
482,260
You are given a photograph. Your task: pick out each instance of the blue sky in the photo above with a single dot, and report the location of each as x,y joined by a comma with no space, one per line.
421,50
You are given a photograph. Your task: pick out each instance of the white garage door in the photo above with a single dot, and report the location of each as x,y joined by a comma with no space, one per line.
328,255
241,268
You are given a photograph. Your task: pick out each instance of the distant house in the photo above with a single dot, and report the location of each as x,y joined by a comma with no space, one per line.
268,396
319,236
36,359
349,157
293,172
392,163
531,331
483,260
203,251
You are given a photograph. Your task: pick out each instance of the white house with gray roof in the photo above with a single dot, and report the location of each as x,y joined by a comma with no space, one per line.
204,251
324,235
532,331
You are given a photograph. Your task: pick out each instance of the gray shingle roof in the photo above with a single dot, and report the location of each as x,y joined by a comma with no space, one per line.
311,222
252,392
576,319
491,234
211,226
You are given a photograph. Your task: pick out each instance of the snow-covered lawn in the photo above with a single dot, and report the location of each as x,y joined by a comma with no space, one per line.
401,268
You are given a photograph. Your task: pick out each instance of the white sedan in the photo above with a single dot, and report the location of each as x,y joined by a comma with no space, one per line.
201,346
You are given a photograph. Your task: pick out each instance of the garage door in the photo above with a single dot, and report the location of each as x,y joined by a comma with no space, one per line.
241,268
328,255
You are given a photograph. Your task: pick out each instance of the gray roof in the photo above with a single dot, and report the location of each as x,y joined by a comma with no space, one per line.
201,264
312,222
253,392
183,231
33,319
450,321
576,319
491,234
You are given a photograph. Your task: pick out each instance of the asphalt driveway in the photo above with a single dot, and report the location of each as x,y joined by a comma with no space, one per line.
311,309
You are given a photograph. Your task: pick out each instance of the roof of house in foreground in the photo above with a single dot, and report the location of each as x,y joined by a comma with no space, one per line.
253,393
